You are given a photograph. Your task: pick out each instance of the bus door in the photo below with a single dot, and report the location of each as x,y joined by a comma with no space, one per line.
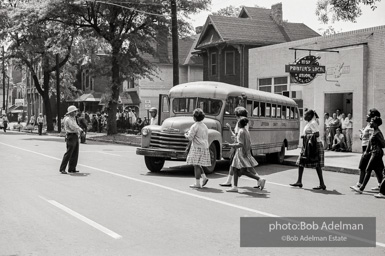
164,108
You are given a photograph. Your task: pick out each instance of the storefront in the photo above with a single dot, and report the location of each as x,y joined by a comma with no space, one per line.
353,79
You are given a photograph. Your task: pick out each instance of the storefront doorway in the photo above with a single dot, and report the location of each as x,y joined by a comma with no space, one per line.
341,101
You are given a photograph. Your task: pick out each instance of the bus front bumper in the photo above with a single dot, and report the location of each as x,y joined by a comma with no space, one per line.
162,153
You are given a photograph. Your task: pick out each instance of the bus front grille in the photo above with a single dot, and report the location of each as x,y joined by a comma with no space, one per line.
172,141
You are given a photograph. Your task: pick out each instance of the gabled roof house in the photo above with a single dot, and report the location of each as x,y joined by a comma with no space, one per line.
225,41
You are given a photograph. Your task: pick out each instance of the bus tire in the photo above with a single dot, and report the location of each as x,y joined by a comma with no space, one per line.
278,157
213,159
154,164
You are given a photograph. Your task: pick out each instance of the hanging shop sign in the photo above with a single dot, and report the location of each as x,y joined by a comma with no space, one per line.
305,69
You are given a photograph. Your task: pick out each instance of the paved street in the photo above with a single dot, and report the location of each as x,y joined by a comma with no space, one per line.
116,207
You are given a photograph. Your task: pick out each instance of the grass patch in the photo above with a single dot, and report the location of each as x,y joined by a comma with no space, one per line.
130,139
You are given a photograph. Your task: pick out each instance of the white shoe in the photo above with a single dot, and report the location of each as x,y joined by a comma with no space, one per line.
358,190
233,189
375,189
258,184
379,195
195,186
358,185
262,183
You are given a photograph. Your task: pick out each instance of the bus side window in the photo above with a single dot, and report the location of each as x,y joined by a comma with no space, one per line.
278,111
296,113
273,110
268,109
283,112
249,106
256,108
229,110
291,112
262,109
287,112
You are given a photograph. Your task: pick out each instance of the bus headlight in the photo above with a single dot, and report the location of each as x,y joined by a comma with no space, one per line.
145,131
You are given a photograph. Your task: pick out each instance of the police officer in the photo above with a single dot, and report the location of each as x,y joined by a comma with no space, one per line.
72,130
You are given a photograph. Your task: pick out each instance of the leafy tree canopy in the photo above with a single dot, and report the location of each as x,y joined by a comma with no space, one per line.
342,10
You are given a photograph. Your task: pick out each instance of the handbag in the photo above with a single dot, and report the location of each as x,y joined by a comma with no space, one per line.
364,161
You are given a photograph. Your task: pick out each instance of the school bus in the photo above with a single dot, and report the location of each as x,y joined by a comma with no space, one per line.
274,122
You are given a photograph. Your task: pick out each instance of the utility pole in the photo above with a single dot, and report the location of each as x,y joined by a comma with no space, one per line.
3,79
174,32
6,106
58,94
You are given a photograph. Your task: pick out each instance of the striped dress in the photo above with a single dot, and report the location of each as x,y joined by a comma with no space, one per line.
243,158
199,153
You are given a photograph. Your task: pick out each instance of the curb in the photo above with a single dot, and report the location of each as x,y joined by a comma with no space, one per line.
330,168
115,142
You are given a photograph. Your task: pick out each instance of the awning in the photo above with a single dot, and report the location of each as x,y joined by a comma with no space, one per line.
17,109
88,97
125,98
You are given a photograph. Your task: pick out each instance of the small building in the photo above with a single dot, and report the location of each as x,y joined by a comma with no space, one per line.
354,78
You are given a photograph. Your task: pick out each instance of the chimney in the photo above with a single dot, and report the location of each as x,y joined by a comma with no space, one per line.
276,13
198,30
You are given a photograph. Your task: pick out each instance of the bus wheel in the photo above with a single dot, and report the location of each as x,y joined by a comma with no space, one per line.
213,159
278,157
154,164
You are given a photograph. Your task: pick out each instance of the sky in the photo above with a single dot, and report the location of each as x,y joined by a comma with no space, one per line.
301,11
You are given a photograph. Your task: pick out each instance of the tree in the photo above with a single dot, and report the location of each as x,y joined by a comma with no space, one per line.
345,10
129,28
34,44
229,11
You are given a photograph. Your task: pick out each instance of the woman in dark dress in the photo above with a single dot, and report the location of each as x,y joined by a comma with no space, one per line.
374,153
311,129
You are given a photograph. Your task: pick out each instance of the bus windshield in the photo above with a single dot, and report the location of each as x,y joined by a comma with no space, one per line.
187,105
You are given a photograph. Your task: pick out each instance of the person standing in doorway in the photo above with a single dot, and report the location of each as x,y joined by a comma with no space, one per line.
334,124
199,154
154,116
327,138
349,132
40,121
72,130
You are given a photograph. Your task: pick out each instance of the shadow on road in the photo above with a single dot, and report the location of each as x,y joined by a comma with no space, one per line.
326,192
210,190
79,174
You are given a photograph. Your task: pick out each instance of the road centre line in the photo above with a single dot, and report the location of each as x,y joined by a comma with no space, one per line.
84,219
274,183
168,188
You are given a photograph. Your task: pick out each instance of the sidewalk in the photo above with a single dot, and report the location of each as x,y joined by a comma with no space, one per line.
344,162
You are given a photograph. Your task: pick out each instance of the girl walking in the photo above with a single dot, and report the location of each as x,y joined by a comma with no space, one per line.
239,113
312,155
199,154
243,161
374,153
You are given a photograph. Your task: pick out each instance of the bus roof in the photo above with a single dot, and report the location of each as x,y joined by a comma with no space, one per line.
218,90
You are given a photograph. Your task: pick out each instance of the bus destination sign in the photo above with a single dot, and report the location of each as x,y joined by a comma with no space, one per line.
305,69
